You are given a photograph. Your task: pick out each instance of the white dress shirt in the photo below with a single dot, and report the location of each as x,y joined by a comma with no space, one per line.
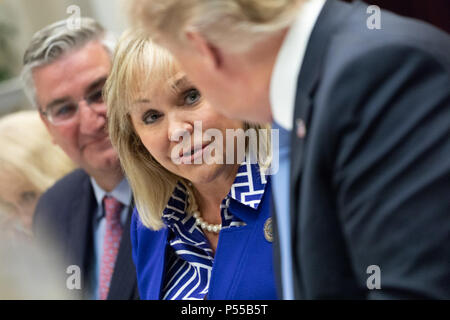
283,83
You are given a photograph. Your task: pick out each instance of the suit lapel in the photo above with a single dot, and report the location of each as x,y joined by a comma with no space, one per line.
123,281
79,240
302,113
328,21
326,25
231,253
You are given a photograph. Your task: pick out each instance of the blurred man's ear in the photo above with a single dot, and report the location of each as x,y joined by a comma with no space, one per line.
209,52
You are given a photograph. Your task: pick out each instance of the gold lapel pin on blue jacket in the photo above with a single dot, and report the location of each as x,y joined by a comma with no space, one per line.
268,231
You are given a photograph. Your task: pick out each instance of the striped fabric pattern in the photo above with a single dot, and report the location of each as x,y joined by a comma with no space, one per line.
190,257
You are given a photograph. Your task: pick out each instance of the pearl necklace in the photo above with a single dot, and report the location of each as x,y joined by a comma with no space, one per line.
215,228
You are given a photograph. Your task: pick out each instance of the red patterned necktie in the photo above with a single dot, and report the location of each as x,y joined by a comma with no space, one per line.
111,243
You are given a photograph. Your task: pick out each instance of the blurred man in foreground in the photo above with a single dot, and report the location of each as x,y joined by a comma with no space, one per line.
362,101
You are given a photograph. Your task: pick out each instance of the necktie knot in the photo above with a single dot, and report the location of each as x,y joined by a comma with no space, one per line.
113,207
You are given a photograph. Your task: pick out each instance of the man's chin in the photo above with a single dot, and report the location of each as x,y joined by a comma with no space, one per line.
104,162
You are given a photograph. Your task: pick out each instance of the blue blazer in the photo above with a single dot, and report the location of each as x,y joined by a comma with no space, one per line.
243,266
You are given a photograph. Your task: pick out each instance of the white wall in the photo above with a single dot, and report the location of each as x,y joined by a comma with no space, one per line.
110,13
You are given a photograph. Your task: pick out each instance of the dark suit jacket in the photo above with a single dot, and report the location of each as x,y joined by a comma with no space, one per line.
64,217
370,181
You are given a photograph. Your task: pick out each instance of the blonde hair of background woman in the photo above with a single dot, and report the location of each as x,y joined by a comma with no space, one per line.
234,24
138,64
27,150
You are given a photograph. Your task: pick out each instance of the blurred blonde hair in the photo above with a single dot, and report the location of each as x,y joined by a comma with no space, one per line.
30,270
27,150
26,145
234,24
138,64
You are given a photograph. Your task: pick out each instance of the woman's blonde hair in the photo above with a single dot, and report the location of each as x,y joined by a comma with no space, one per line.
27,150
138,64
234,24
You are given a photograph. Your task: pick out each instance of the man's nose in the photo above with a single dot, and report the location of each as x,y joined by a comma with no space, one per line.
91,121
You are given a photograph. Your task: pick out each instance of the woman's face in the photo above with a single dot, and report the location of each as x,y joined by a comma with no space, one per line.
166,115
18,197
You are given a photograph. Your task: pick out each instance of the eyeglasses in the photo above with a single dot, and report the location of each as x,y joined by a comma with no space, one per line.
65,111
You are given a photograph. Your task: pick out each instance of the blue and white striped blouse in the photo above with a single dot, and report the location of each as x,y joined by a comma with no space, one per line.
190,258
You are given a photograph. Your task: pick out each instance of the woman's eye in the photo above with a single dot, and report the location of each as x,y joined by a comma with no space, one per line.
191,97
150,117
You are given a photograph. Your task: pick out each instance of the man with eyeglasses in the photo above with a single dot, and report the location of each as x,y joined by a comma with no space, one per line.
87,213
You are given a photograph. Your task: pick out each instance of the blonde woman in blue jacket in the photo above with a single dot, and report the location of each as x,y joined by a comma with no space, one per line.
200,230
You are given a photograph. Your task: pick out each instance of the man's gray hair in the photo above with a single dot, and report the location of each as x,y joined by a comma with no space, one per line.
55,40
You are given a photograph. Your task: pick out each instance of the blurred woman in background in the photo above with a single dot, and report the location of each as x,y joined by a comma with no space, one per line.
29,164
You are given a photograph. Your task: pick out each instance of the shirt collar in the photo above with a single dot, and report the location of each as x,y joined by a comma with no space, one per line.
248,188
121,192
283,83
249,185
